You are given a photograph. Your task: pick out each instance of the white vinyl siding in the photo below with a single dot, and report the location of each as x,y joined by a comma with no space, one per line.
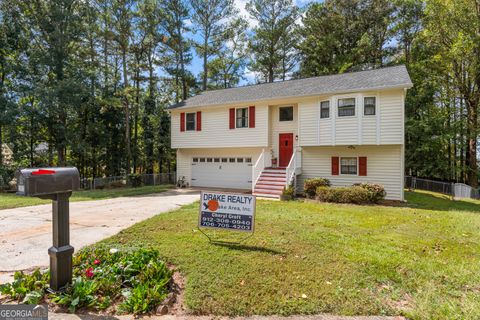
369,130
384,166
309,114
216,132
391,117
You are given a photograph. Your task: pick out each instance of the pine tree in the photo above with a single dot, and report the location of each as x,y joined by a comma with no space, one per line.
275,20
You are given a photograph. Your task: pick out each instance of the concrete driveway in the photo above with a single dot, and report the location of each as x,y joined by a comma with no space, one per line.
26,233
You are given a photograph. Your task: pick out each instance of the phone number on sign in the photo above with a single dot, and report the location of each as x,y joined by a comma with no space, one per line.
225,223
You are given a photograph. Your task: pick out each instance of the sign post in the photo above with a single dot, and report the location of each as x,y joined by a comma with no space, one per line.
227,211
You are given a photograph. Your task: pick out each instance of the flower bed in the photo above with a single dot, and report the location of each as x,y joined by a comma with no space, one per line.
116,281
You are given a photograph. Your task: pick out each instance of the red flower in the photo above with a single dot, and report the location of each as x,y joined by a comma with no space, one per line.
89,272
96,262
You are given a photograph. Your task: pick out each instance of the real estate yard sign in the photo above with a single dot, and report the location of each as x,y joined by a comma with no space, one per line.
221,210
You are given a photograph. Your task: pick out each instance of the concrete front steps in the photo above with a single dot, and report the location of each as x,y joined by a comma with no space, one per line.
271,183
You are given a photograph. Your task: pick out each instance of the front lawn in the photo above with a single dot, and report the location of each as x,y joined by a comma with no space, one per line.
422,261
11,200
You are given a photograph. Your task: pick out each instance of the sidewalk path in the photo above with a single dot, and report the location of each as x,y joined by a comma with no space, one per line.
26,233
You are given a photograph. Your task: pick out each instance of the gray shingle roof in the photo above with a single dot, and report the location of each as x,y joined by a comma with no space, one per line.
385,78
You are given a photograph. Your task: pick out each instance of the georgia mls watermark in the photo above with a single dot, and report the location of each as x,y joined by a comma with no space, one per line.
23,312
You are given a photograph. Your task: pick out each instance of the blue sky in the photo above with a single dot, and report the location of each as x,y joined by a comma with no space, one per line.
196,65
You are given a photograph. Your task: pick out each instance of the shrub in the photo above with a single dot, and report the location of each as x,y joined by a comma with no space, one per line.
310,186
288,193
134,180
376,192
354,194
115,184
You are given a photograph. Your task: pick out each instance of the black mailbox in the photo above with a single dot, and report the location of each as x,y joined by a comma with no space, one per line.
46,182
56,184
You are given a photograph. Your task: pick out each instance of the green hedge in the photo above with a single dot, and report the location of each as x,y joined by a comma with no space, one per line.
310,186
134,180
355,195
376,192
361,193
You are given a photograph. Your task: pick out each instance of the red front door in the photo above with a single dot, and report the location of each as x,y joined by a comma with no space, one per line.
285,149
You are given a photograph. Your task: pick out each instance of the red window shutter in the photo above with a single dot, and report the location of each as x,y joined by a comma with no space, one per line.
182,121
232,118
251,117
335,164
362,166
199,121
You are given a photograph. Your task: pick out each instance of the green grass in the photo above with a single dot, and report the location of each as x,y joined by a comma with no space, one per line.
422,261
11,200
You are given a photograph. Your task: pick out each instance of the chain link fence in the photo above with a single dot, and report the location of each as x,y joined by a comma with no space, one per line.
124,181
457,190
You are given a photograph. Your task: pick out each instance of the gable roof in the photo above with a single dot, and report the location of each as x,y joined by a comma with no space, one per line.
385,78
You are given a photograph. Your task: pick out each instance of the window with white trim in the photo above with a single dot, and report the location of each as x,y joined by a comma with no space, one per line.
190,117
346,107
242,118
348,165
324,109
369,106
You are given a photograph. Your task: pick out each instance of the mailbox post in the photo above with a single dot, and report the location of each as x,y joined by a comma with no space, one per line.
57,185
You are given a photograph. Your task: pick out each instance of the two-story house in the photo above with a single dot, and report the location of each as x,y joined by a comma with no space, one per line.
348,128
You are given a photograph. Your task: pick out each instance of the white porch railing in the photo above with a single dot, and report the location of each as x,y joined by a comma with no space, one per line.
294,167
263,161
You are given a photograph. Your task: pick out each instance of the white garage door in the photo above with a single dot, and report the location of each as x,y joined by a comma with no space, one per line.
225,172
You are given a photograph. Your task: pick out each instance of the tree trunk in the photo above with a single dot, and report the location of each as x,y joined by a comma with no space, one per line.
1,144
472,118
32,142
182,58
135,121
149,110
270,74
127,111
2,82
205,62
